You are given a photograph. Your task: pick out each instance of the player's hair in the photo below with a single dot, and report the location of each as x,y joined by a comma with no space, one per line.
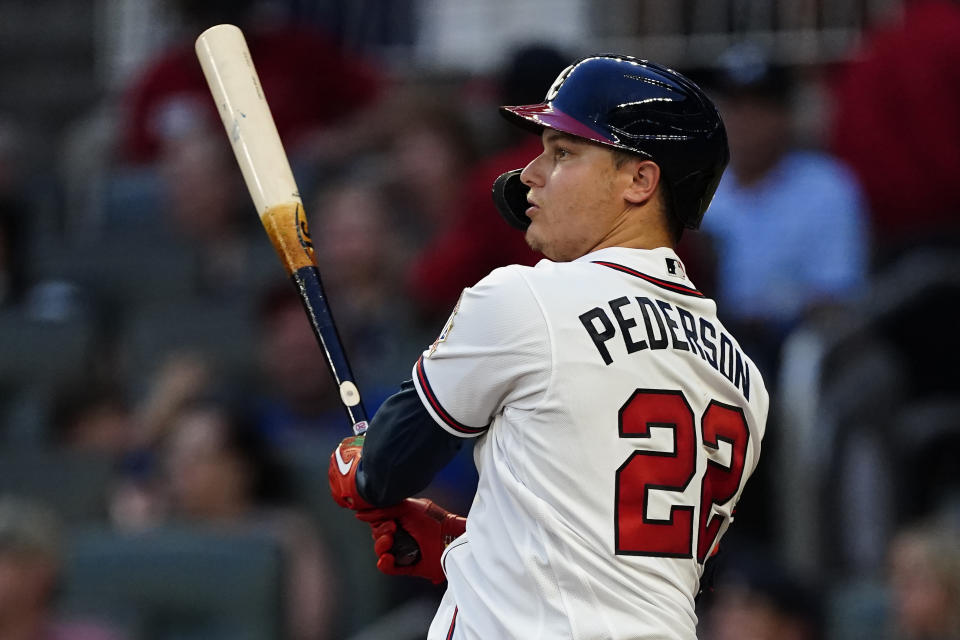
675,225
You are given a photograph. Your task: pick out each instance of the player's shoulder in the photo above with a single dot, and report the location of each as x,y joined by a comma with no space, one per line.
546,270
509,280
503,288
537,280
501,309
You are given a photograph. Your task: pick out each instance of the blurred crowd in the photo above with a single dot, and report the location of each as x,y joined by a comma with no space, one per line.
158,375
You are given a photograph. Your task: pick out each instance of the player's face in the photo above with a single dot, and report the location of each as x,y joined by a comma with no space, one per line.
575,195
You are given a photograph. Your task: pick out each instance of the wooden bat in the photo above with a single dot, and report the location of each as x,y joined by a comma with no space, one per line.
236,89
235,85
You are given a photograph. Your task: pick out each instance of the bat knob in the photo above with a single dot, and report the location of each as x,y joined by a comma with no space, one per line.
405,549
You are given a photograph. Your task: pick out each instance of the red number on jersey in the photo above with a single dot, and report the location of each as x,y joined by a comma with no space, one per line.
671,469
636,532
721,422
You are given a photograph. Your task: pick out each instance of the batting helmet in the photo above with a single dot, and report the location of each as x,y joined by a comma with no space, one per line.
636,106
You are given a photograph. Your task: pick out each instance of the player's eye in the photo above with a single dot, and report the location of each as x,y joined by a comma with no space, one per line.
560,153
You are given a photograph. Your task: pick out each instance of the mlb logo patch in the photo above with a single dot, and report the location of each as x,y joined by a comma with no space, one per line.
675,268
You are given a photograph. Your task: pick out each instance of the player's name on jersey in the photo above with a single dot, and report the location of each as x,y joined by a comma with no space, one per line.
665,326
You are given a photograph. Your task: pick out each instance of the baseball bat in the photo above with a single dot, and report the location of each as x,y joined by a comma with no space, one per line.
236,89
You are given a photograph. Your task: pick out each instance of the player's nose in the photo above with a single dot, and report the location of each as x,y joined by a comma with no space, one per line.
531,175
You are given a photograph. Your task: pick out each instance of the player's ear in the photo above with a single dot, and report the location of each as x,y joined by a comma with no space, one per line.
645,176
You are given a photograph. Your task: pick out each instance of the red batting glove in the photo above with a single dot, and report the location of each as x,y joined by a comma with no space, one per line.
344,462
431,526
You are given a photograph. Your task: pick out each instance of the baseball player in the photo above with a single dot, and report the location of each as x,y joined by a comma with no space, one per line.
616,419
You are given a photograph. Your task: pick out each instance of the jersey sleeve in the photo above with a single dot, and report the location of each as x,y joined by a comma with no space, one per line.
493,352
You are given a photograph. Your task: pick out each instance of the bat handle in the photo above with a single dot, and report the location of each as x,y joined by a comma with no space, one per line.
314,298
405,549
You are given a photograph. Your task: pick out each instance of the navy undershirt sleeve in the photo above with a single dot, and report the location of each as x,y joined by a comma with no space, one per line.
403,450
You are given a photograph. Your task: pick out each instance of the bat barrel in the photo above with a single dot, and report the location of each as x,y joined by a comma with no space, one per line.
235,85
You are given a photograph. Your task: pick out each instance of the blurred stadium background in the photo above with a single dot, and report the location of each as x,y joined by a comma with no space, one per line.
165,422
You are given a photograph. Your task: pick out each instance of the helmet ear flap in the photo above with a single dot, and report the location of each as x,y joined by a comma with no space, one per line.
510,197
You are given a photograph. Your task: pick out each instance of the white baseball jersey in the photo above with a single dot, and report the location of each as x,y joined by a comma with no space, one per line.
618,422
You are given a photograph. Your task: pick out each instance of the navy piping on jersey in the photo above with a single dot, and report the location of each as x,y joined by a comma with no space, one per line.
663,284
435,404
453,623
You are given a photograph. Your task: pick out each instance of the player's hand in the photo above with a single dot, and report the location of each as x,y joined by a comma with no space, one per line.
431,526
342,473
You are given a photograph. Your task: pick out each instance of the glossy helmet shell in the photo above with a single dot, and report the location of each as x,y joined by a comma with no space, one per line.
643,108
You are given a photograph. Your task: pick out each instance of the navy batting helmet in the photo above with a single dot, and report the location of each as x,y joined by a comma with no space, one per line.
636,106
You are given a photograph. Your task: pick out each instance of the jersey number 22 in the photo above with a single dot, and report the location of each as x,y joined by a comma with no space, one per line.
637,533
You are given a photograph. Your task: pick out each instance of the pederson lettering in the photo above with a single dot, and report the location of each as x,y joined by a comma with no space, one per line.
643,323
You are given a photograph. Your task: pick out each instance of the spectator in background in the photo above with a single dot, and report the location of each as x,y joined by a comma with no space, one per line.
214,469
179,380
294,403
94,418
895,123
473,241
310,84
30,561
430,148
925,583
355,233
210,230
756,599
219,471
208,212
787,225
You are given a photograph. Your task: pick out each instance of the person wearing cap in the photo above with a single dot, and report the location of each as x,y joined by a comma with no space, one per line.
616,419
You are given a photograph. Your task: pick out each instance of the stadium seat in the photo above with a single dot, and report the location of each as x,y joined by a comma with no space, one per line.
122,268
220,330
178,583
42,351
74,484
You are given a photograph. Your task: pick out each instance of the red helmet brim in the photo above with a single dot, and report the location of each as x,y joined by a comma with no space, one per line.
537,116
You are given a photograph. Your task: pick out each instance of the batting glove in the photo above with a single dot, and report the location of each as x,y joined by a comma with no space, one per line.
342,473
431,526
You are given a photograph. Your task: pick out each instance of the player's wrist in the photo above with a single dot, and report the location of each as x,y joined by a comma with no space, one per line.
362,491
345,463
451,525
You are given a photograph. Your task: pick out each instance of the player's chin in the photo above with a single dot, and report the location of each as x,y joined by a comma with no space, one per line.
549,250
532,236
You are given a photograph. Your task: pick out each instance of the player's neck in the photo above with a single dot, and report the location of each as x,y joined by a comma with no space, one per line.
636,229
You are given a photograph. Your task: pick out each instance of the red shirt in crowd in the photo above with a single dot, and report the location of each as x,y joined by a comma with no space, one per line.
477,242
897,121
308,82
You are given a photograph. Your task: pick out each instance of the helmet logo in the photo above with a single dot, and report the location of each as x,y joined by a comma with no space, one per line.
555,87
